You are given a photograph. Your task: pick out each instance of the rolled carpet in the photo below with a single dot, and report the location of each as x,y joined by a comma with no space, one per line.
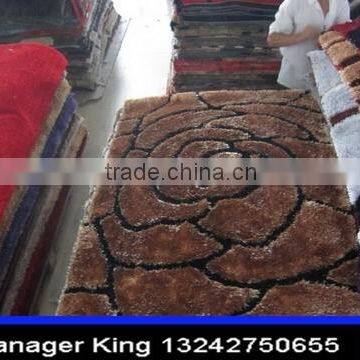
216,250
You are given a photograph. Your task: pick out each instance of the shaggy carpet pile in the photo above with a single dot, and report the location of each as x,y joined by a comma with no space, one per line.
217,250
32,95
222,45
342,47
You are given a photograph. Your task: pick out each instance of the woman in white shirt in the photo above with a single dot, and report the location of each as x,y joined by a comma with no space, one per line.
296,28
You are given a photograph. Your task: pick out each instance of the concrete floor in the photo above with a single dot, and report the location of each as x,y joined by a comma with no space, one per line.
141,70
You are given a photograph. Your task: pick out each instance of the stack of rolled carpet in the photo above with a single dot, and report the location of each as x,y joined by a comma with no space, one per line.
336,70
83,30
37,120
221,44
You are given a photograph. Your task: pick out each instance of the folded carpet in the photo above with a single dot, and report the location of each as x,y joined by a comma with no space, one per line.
25,209
228,10
341,110
36,239
338,104
345,136
36,101
19,192
217,39
21,112
216,250
202,2
326,75
345,56
84,31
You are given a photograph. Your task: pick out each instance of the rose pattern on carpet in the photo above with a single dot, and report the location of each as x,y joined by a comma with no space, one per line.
216,250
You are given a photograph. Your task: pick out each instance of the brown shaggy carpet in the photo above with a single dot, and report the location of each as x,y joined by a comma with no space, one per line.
345,56
217,250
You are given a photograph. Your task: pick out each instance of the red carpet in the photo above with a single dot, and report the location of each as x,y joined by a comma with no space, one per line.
30,75
346,28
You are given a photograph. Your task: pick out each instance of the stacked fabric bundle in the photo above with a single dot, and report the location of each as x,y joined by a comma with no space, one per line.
221,44
83,30
37,120
184,250
337,76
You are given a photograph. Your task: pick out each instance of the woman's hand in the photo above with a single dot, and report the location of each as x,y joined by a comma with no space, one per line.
281,40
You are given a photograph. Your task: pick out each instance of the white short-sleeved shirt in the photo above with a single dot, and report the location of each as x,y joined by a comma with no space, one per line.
293,17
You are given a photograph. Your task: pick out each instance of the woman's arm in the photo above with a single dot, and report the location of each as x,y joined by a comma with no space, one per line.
278,39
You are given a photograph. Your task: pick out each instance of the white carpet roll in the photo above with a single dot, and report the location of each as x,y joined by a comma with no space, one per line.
326,76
